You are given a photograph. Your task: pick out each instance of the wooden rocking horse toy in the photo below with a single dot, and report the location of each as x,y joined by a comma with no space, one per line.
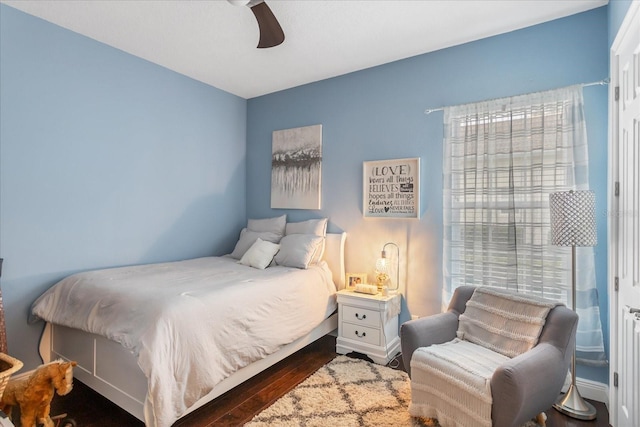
33,394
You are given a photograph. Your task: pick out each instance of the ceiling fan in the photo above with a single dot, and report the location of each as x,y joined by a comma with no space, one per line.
271,33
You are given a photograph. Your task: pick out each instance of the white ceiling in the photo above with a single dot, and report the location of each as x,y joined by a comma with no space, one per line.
215,42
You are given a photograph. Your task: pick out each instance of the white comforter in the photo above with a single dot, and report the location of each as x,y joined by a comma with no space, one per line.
191,323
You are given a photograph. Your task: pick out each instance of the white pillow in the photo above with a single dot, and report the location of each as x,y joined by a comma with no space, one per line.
272,225
248,238
316,227
260,254
297,250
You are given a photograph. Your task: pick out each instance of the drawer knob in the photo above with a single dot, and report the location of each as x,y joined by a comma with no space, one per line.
364,334
364,316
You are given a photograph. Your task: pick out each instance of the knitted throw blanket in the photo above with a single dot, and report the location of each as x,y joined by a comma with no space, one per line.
504,322
452,381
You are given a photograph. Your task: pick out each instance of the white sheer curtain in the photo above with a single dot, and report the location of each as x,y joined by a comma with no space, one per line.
502,158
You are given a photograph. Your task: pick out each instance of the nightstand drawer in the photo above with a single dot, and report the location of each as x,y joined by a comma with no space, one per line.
361,333
360,316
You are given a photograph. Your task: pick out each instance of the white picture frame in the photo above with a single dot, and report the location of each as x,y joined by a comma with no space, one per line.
353,279
391,188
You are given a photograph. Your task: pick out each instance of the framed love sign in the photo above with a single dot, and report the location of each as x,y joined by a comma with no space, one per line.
391,188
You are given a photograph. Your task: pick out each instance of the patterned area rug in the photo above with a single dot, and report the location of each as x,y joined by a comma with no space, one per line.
347,392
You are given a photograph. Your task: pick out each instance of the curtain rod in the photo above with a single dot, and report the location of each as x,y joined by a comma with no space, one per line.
598,83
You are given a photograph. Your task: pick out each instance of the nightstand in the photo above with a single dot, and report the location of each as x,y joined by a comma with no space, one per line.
368,324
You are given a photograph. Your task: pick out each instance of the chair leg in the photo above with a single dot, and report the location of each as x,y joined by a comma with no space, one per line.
541,419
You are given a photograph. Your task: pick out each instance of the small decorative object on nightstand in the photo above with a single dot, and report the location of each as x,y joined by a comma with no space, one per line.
368,324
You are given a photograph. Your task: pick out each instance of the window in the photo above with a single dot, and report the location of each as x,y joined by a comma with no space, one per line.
502,160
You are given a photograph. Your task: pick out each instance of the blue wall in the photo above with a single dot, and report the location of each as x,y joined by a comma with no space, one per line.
617,11
105,160
378,114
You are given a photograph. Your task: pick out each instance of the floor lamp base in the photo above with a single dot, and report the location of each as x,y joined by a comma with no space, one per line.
574,406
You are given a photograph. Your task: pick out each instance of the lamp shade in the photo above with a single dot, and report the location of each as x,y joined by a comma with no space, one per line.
573,218
382,265
384,268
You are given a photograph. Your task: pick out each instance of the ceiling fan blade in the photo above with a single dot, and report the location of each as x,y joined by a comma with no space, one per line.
271,33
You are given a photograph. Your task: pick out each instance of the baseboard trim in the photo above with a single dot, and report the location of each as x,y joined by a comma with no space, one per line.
593,390
21,375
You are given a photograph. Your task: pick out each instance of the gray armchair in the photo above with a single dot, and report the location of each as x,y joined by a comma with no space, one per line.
523,386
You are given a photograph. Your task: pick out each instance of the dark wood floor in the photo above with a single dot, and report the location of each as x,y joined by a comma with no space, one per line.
241,404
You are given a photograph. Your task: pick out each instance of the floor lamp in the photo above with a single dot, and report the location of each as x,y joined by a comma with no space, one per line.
573,223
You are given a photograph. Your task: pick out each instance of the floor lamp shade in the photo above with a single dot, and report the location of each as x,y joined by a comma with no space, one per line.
573,223
573,218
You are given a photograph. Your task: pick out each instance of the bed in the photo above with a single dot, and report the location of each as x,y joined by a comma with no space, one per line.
166,369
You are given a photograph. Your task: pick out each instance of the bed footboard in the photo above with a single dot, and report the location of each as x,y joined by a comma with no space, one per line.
111,370
103,365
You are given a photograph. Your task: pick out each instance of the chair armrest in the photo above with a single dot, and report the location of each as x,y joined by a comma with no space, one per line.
424,332
527,385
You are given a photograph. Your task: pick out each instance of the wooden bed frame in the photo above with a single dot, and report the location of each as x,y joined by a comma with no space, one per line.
112,370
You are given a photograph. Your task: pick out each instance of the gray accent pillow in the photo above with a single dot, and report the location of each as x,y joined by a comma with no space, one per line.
297,250
274,225
248,238
315,227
